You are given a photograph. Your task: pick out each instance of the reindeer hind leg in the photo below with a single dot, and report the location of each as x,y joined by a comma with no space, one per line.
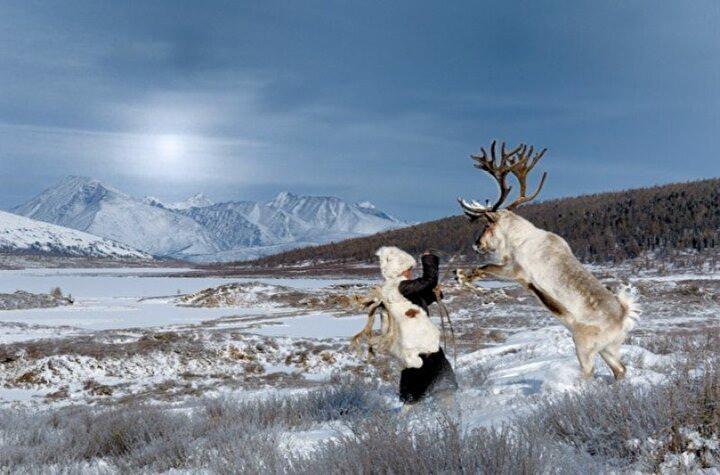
611,356
585,355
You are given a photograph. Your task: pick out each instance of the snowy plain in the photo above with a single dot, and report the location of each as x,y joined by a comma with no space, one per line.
111,299
168,354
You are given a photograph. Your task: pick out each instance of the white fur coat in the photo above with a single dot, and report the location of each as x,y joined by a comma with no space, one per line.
414,335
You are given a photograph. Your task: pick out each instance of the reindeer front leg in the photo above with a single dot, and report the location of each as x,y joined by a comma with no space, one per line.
503,270
497,270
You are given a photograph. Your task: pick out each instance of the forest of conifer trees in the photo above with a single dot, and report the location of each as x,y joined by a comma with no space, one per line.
605,227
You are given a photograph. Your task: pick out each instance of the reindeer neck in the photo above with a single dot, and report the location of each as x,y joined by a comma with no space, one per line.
519,230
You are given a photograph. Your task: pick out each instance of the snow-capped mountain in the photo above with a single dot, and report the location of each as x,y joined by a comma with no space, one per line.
288,219
368,208
91,206
198,229
196,201
19,234
329,215
227,225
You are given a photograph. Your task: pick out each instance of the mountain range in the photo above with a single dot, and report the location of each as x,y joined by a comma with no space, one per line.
20,235
198,229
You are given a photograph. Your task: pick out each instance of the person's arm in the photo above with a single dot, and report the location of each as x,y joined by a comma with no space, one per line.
425,284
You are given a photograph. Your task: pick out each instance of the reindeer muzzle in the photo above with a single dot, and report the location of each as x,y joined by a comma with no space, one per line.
486,257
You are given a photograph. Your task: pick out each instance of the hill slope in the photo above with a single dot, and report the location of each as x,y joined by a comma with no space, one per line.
601,227
20,235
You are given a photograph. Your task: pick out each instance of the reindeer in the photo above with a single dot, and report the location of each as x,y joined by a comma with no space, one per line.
543,263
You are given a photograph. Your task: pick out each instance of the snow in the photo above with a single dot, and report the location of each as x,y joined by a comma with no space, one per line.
198,200
304,442
529,364
536,363
314,325
108,299
198,229
114,313
18,233
678,277
286,351
16,332
89,205
19,394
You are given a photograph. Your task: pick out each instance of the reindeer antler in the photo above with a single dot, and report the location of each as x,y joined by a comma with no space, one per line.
522,164
498,170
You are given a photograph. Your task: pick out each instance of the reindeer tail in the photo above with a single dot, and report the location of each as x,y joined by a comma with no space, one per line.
628,298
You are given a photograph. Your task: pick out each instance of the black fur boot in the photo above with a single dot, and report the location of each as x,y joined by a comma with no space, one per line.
433,377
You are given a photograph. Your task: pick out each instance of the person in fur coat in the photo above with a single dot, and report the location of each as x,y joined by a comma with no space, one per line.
427,371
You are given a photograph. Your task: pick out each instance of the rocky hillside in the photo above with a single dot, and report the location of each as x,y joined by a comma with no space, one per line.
602,227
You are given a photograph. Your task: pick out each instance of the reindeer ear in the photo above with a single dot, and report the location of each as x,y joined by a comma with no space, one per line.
471,217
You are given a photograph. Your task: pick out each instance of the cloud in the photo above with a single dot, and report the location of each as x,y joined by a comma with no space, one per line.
366,100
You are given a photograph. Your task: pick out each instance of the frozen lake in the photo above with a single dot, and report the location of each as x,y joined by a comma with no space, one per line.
134,283
112,298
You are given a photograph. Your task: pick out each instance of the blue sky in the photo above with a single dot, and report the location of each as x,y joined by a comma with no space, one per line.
364,100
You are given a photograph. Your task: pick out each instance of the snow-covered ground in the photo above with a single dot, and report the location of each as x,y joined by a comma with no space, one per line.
128,335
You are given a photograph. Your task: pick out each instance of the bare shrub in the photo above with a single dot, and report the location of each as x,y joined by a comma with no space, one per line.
345,400
614,423
474,376
238,435
697,343
602,429
386,443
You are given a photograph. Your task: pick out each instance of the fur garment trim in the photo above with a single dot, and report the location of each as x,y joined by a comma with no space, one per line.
394,261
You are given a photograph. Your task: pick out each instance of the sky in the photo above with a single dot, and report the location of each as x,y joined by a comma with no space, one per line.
366,100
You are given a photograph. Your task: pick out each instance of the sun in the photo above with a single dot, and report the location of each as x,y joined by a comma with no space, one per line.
170,147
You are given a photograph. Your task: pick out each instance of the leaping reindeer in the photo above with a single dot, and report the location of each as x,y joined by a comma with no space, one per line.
543,263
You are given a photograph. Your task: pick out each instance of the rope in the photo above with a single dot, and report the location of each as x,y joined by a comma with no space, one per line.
444,314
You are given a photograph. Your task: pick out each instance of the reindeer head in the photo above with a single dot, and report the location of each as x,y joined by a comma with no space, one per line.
502,224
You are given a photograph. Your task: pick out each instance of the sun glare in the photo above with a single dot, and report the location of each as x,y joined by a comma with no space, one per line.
170,147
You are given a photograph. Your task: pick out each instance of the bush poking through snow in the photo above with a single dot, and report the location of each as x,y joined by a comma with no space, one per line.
474,376
671,427
225,435
623,425
387,443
